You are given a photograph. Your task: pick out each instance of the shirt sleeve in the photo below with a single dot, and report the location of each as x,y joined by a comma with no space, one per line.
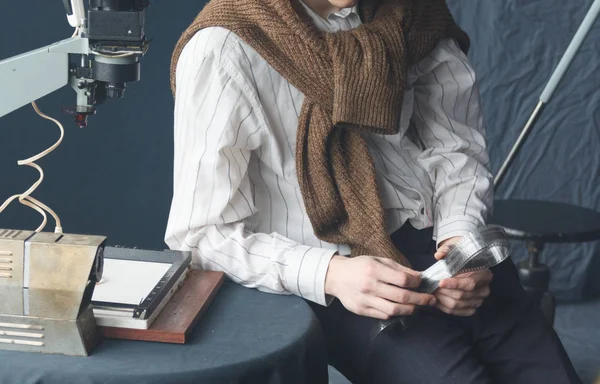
217,130
449,123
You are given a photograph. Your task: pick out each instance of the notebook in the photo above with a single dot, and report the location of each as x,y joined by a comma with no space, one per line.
133,291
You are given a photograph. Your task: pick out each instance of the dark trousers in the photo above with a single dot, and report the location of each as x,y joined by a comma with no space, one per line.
508,340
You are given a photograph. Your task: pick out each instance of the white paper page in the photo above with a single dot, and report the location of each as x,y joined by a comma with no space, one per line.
128,281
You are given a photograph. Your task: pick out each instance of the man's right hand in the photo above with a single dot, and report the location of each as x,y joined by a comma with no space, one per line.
375,287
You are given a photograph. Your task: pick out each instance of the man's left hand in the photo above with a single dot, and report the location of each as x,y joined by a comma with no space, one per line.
462,294
445,247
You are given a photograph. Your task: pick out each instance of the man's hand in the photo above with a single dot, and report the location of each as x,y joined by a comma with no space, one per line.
445,247
461,295
375,287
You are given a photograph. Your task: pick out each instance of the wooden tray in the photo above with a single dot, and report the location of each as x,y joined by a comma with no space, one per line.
178,318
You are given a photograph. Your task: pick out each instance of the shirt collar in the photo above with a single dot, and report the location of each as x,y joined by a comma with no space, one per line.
343,13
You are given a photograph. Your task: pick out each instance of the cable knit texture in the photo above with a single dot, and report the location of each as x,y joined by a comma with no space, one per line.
353,82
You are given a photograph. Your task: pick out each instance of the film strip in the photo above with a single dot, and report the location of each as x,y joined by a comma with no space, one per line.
483,248
480,249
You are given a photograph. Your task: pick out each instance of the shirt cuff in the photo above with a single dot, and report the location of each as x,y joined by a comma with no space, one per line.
455,226
305,274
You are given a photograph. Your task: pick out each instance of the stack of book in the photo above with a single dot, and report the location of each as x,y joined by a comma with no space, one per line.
151,295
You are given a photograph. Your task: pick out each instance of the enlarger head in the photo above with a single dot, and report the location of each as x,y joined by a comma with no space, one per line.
118,40
115,30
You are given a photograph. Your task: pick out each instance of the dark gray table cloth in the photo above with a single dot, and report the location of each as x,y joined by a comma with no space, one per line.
244,337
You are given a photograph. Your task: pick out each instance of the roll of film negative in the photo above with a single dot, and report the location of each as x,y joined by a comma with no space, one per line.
483,248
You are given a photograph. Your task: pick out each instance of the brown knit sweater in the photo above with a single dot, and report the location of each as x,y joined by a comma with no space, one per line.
353,82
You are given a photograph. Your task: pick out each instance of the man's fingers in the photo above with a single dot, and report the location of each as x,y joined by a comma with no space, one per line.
479,293
439,255
464,284
389,308
450,303
483,276
374,313
398,267
402,296
468,281
403,277
441,252
456,312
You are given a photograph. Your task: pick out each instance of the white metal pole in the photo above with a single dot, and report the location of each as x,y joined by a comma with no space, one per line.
551,86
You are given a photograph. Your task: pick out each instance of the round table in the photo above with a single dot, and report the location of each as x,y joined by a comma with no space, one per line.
244,337
538,222
547,221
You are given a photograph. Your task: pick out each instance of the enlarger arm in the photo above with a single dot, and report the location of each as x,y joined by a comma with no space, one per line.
32,75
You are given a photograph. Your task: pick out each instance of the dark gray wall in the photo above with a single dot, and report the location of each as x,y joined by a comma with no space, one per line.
516,47
113,177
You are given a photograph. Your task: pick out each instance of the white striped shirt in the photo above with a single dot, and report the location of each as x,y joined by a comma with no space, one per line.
237,204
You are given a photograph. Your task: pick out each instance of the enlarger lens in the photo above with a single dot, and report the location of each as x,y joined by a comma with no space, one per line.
115,90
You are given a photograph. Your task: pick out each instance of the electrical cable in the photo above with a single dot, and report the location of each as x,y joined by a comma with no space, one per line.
25,198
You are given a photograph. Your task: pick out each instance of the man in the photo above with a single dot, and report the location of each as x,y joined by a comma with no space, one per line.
310,131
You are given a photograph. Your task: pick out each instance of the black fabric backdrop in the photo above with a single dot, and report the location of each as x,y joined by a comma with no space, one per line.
114,177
